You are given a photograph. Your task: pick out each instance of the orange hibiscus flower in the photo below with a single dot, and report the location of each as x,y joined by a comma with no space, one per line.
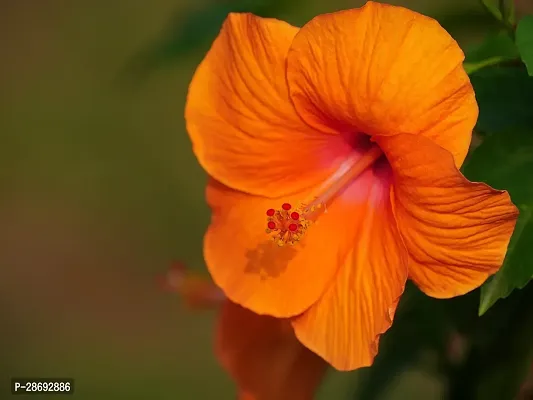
260,352
334,152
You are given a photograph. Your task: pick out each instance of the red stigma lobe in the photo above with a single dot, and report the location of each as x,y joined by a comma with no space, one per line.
284,226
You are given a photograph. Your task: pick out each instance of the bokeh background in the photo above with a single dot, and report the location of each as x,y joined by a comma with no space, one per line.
100,191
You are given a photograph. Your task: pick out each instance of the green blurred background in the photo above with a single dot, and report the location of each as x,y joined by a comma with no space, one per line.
100,191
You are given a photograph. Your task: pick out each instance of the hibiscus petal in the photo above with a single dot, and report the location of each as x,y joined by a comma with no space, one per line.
382,69
243,126
263,356
344,326
456,231
257,274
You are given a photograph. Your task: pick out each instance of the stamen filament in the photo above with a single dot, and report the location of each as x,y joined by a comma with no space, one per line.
350,169
288,225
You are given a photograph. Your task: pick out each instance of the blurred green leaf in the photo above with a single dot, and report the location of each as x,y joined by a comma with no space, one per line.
495,45
495,49
505,161
524,41
502,10
517,269
505,98
512,12
492,7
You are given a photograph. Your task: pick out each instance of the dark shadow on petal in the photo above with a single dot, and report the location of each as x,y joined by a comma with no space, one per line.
269,260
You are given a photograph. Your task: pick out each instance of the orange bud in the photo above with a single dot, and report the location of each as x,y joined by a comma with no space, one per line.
197,291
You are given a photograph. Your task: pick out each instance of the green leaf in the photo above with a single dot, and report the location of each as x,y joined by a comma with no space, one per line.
495,45
502,10
505,98
505,161
492,8
512,12
495,49
517,269
524,41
